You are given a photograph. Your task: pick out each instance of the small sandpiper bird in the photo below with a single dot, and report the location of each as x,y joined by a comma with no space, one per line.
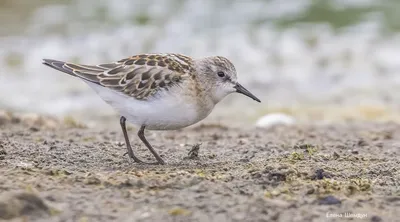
159,91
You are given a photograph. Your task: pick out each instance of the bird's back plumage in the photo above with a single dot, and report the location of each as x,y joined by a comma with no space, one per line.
140,76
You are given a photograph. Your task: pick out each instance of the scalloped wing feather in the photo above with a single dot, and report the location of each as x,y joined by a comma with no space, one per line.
140,76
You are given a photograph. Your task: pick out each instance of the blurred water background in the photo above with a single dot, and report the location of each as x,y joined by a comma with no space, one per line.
310,58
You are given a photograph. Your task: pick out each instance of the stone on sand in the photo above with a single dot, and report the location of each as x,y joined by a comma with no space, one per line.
274,119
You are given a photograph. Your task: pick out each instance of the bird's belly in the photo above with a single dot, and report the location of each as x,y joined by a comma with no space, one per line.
161,114
167,112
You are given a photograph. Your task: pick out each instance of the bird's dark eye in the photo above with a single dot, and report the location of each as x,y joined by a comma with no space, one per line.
221,74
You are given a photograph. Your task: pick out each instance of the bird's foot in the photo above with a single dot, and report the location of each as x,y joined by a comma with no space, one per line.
139,161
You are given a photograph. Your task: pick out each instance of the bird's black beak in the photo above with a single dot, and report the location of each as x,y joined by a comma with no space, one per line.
240,89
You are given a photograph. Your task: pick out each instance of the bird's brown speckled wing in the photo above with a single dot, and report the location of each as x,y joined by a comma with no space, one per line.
139,76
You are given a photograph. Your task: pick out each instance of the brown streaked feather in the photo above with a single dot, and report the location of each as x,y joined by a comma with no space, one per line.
140,76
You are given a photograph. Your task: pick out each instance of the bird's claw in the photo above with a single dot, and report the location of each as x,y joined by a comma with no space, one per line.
137,160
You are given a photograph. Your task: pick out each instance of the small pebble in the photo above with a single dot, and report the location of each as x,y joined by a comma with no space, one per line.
244,160
329,200
3,152
277,176
336,155
320,174
376,218
119,143
274,119
34,129
311,190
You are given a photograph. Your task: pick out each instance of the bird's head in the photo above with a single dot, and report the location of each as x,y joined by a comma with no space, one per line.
220,77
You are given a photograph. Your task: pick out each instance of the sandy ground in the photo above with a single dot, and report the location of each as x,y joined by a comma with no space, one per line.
295,173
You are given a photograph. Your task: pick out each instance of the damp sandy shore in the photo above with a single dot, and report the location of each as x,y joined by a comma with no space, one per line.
299,173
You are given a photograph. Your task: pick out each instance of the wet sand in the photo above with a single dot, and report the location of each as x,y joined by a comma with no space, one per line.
332,172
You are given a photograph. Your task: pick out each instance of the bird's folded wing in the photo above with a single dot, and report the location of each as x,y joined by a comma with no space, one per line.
140,76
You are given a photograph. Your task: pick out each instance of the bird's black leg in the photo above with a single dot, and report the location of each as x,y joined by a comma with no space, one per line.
122,121
141,136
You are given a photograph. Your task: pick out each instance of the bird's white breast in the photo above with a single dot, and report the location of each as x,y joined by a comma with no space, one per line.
168,111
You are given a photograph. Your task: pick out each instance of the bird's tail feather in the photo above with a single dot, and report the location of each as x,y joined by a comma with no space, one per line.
85,72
